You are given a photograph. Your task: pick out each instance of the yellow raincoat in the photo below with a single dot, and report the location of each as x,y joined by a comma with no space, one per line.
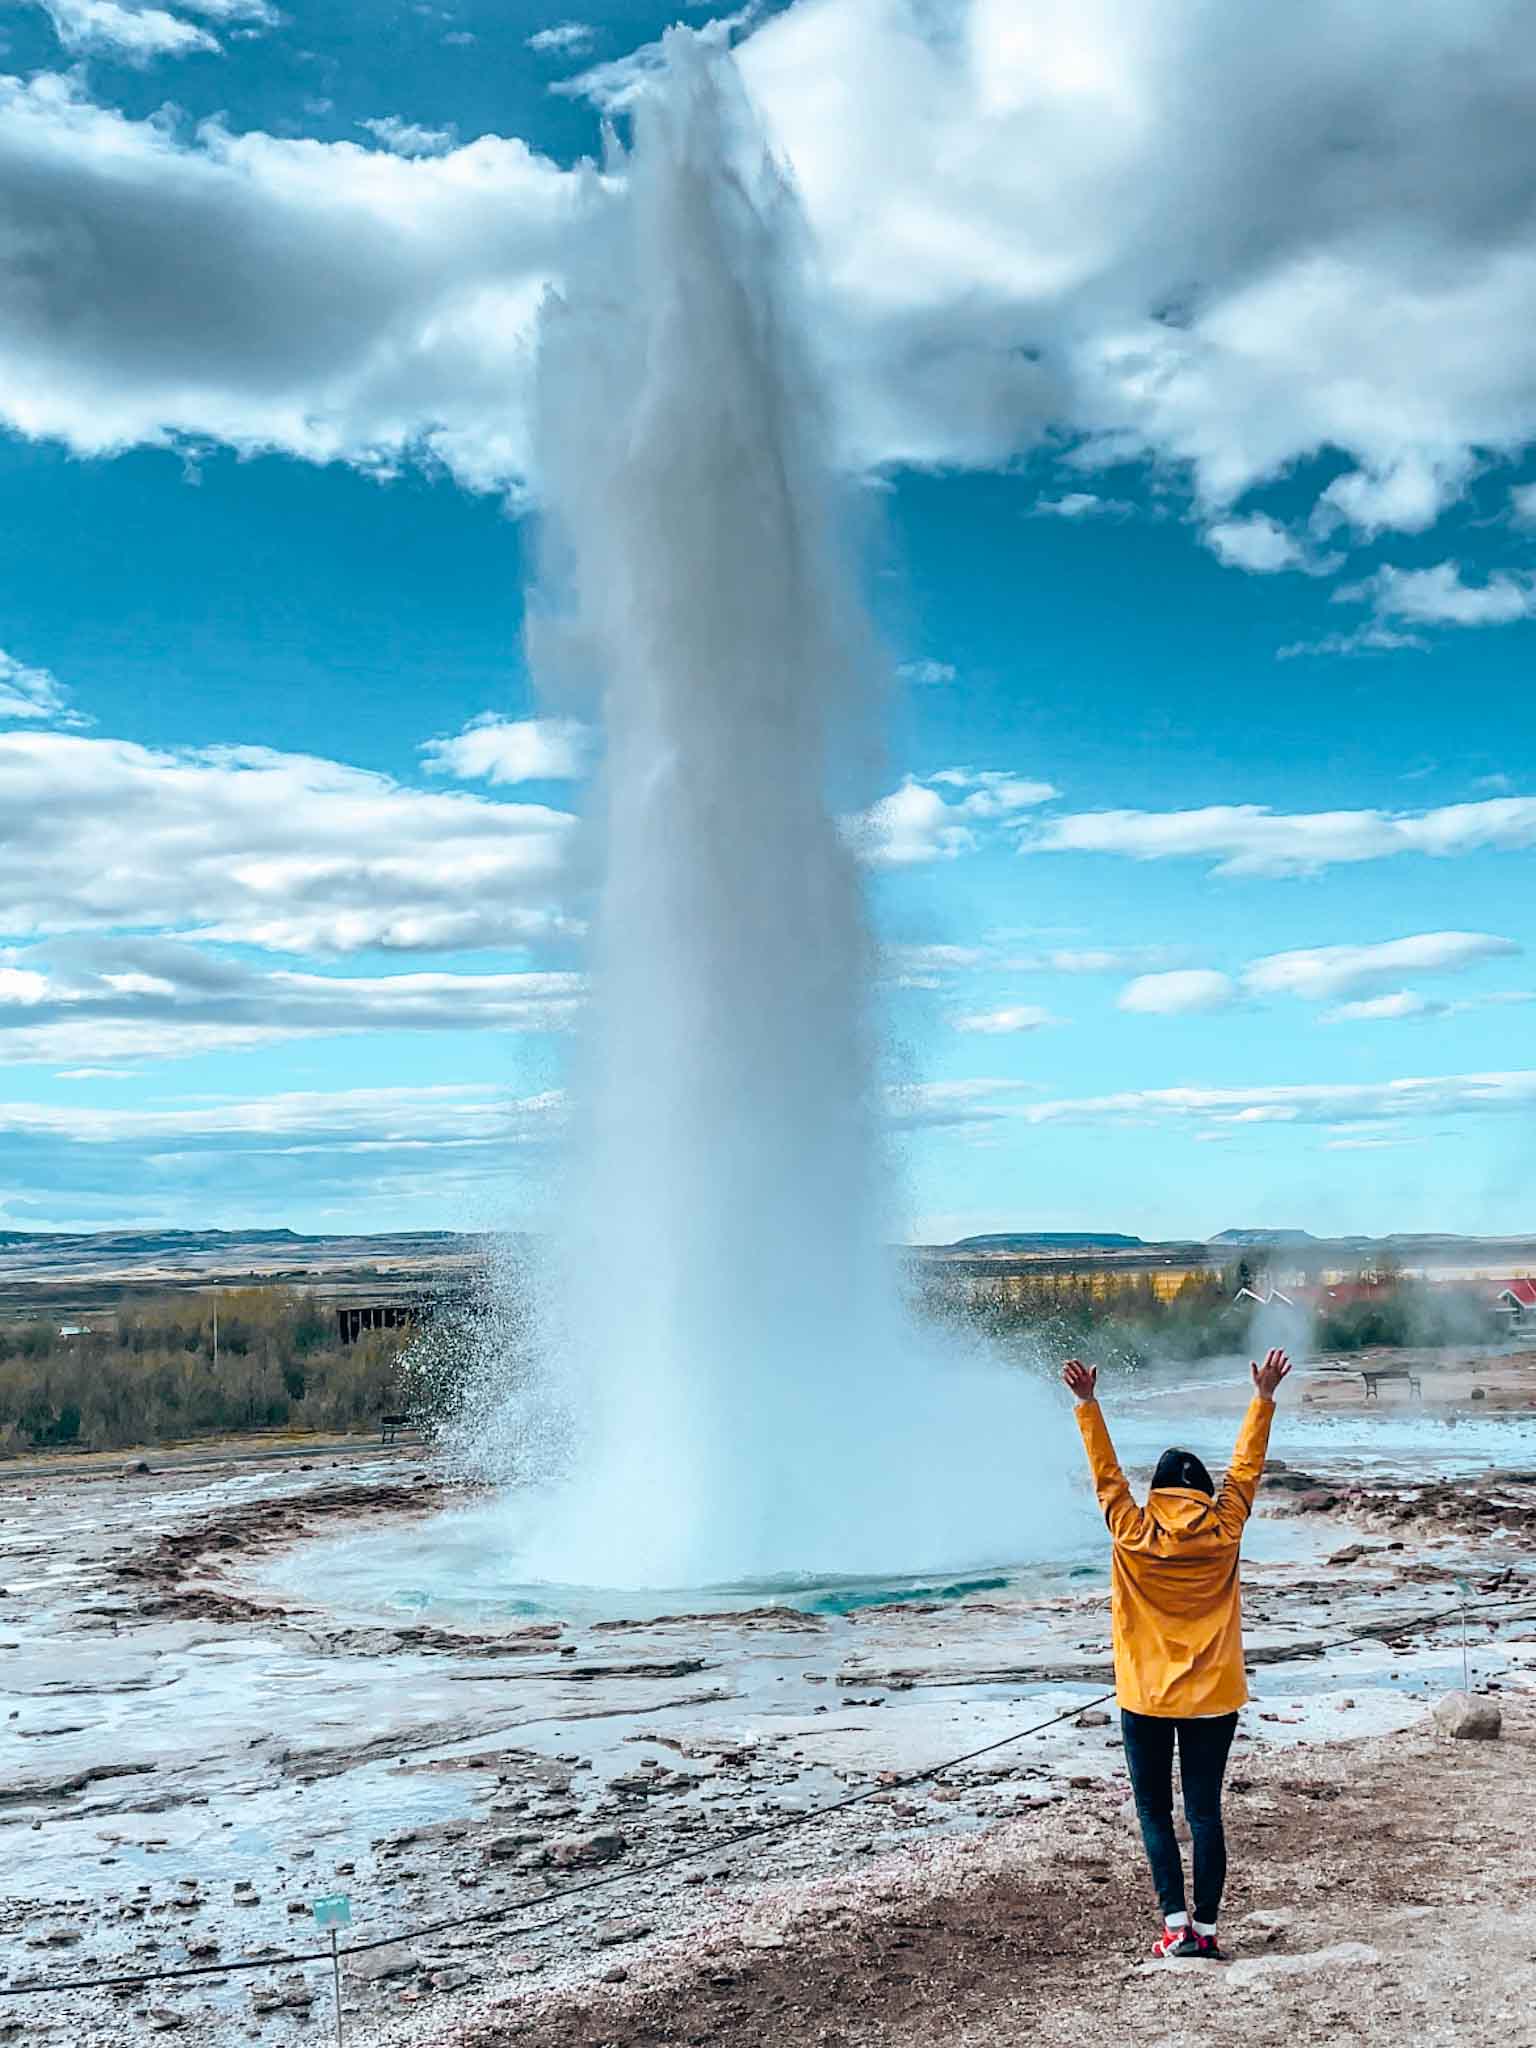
1175,1597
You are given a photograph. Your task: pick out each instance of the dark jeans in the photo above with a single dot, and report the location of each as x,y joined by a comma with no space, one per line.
1203,1750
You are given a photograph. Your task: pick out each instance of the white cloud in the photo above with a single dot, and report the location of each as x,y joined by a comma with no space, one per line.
324,299
230,1159
1082,505
283,851
1361,271
1322,1102
934,1105
1406,1002
1522,502
927,671
911,826
910,959
133,35
257,12
1262,546
1320,973
568,39
1366,282
999,1023
993,793
1258,543
137,35
456,1114
33,694
1438,596
1251,839
409,138
917,823
1372,638
1406,496
501,750
165,1000
1184,992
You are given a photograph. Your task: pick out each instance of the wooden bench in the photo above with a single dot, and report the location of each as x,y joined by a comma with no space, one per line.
1374,1378
390,1426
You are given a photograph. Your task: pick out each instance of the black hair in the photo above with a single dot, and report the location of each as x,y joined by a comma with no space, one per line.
1182,1468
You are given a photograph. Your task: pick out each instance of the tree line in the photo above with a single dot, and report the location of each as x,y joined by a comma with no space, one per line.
150,1375
1123,1317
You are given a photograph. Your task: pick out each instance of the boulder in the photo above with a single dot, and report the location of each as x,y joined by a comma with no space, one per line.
1094,1718
578,1851
1467,1719
377,1965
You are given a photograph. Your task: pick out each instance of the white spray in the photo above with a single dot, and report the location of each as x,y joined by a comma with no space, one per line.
749,1396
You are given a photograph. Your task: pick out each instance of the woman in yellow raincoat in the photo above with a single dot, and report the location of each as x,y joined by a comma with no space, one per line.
1176,1618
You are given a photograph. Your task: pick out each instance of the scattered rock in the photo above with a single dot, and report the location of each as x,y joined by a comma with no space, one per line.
507,1848
1268,1924
613,1937
1094,1718
1469,1720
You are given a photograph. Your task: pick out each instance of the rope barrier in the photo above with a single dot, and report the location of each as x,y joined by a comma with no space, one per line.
1383,1632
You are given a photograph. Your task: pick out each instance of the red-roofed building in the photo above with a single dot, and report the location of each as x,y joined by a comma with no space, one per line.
1518,1302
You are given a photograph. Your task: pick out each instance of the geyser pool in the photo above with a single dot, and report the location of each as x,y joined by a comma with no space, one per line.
723,1385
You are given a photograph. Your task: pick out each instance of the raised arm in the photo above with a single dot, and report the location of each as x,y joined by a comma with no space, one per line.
1234,1503
1125,1519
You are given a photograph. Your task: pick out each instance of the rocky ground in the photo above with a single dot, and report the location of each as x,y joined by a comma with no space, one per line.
215,1746
1382,1892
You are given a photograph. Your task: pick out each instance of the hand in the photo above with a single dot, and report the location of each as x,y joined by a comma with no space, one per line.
1267,1377
1082,1379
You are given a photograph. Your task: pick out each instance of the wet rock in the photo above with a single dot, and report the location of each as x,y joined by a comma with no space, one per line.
293,1994
1094,1718
645,1783
1467,1719
508,1848
578,1852
381,1965
163,2019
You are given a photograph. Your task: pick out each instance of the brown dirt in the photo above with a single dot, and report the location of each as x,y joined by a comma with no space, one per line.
1418,1847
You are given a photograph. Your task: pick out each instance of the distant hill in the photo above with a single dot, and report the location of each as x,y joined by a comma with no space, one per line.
1048,1241
1264,1237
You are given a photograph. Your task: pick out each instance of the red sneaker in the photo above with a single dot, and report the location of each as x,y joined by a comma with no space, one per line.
1205,1945
1175,1941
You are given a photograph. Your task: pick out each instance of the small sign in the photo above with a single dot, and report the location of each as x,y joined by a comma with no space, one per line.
1464,1586
336,1911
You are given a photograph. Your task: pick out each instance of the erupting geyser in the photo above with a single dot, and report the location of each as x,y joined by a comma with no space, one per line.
745,1394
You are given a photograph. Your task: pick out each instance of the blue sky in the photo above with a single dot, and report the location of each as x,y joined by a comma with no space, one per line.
1197,376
